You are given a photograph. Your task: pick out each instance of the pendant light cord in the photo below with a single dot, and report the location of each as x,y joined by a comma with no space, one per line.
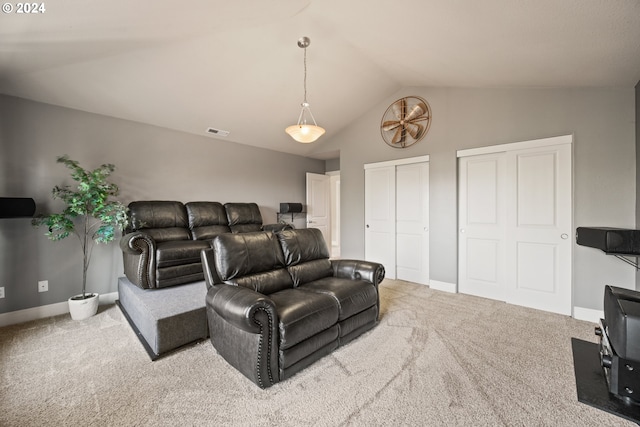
305,75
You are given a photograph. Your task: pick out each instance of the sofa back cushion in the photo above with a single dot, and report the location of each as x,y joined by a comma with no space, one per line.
253,260
305,254
243,217
162,220
206,220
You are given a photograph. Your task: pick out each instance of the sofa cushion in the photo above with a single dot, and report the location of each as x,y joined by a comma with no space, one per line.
179,252
243,217
352,296
160,235
302,314
207,219
305,254
265,283
310,271
253,260
301,245
159,214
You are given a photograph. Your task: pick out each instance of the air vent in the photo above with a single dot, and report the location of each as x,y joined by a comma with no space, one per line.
217,132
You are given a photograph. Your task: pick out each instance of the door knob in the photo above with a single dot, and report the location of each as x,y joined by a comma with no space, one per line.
367,225
564,236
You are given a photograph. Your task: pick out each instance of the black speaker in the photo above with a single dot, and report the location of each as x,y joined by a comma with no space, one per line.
620,241
16,207
290,207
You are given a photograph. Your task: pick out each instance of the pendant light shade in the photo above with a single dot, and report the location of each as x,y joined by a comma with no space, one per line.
303,132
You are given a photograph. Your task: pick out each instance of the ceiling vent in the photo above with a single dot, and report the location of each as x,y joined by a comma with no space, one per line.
217,132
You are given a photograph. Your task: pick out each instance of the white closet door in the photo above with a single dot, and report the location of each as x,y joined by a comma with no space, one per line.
539,228
515,210
412,222
482,226
380,217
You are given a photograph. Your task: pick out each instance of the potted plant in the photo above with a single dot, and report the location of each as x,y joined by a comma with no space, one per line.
91,215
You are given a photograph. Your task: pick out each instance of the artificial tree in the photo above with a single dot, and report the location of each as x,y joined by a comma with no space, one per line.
90,214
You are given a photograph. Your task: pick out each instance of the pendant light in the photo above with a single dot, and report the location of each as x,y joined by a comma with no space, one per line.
303,132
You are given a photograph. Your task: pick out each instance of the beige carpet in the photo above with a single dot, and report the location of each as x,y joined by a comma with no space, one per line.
435,359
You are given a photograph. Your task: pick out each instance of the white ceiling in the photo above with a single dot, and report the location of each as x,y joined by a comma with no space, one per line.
236,65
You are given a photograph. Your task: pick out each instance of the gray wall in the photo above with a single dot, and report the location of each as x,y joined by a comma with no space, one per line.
601,120
151,163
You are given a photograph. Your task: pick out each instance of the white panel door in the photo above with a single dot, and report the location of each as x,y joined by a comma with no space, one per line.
515,210
539,226
380,199
319,204
482,226
412,222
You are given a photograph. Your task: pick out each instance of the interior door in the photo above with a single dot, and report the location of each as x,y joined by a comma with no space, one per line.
319,204
412,222
380,217
482,226
539,226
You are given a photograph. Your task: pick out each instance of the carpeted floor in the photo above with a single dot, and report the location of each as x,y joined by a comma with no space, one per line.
435,359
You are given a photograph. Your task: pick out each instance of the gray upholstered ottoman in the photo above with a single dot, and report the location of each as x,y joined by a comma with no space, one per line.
167,318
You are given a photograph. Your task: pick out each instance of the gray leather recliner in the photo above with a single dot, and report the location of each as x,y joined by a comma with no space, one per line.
276,303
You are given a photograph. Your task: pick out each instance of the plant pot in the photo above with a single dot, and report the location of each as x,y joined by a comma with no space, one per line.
81,309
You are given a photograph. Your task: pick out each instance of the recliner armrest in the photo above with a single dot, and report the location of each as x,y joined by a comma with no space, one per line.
137,242
238,306
371,272
209,268
139,258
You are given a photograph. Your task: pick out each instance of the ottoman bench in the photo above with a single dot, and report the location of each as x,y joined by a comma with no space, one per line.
165,319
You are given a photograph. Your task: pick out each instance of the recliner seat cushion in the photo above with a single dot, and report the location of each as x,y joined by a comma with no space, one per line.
179,252
352,296
167,234
303,314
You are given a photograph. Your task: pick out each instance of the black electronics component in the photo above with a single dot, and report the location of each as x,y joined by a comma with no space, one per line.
16,207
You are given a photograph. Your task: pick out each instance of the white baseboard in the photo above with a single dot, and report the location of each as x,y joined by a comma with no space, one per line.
35,313
443,286
588,314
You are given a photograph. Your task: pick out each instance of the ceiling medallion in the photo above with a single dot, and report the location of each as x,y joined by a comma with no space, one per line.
405,122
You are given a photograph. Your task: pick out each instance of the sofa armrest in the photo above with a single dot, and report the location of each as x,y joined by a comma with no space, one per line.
371,272
209,268
137,242
139,258
239,306
243,328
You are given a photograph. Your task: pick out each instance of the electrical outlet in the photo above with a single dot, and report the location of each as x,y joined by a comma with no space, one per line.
43,286
2,292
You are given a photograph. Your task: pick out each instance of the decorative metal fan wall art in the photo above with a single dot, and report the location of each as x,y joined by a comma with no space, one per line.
406,122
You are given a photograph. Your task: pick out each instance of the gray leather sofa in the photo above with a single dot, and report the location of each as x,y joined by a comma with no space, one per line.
161,247
276,303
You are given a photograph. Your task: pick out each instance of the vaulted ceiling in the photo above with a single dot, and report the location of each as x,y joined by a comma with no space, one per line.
236,66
